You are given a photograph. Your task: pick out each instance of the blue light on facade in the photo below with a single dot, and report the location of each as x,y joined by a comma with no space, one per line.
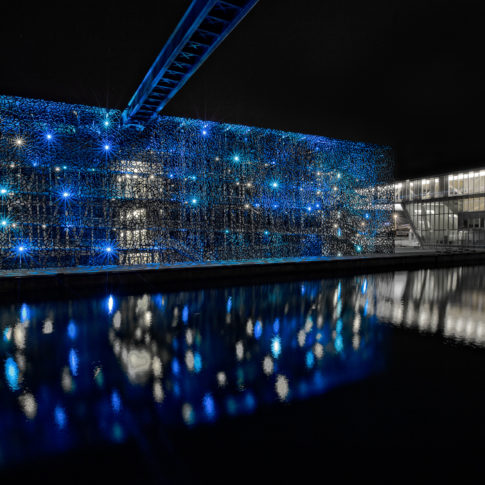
109,252
22,250
113,197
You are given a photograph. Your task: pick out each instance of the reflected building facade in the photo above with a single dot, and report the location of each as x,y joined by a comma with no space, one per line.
449,302
184,358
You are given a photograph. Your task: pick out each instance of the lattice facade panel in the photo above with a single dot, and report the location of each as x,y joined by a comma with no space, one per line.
77,188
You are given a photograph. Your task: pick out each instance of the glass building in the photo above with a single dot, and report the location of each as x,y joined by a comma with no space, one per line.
447,210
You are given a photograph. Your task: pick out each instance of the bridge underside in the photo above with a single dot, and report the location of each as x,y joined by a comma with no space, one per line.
203,27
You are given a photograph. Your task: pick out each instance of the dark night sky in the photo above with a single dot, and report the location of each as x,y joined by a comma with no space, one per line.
401,72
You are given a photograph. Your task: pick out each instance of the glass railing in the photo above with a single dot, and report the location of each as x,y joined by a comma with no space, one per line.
436,195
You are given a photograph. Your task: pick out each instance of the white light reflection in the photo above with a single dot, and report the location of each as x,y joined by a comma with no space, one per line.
19,335
66,380
189,360
137,364
117,320
188,413
157,367
282,387
355,342
28,405
318,350
158,394
48,326
301,338
249,327
239,350
189,336
221,379
268,365
110,304
356,325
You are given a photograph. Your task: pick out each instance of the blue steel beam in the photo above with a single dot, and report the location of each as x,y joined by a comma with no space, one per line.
203,27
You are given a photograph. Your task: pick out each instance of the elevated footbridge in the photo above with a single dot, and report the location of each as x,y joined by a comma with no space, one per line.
203,27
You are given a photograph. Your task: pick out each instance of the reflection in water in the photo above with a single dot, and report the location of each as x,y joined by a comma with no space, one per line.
450,302
82,371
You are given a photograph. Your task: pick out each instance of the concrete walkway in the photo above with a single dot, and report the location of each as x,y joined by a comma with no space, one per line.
156,277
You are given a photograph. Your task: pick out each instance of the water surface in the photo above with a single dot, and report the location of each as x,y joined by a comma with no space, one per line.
116,369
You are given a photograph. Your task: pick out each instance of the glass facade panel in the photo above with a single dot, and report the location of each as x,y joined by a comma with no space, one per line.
448,210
